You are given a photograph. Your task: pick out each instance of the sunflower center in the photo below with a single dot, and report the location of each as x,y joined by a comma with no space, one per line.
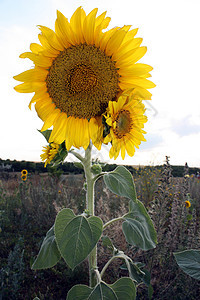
82,80
123,123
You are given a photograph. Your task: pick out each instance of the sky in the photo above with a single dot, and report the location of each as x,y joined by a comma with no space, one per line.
170,30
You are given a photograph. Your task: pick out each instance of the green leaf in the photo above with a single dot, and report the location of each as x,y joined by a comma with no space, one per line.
123,289
49,254
150,291
189,262
76,236
135,273
46,134
79,292
106,242
138,227
62,219
120,182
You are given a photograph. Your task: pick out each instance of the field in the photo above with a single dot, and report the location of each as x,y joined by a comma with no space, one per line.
28,209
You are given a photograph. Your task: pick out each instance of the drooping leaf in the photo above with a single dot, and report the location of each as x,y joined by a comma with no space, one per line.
49,254
76,236
189,262
120,182
46,134
122,289
138,227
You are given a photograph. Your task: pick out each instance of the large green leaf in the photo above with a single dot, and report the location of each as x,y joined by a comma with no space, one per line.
120,182
189,262
123,289
49,254
76,236
138,227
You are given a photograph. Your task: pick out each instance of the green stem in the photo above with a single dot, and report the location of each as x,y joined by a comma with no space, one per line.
90,207
112,221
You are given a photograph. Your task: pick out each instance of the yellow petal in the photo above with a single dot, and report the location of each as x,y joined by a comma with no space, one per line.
138,81
135,70
37,74
51,38
69,133
59,129
27,87
115,42
48,49
42,106
89,26
131,57
105,38
76,23
50,119
39,60
123,151
36,48
39,94
96,131
65,29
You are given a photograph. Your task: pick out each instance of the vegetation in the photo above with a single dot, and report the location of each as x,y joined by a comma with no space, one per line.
28,209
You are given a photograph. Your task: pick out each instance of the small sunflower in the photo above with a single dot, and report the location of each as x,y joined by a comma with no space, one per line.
50,152
187,203
23,177
125,119
24,172
78,69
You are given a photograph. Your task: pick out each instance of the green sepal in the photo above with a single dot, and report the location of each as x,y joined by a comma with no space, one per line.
49,254
46,134
189,262
120,182
122,289
138,227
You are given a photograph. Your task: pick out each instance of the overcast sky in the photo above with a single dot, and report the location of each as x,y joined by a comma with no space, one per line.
170,30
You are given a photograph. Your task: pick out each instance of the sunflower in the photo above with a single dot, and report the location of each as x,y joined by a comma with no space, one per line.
125,119
50,152
187,203
78,69
24,177
24,172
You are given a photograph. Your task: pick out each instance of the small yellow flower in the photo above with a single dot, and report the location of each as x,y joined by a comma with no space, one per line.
187,203
23,177
50,152
24,172
126,119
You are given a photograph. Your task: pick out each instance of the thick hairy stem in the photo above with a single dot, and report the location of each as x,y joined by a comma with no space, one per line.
90,207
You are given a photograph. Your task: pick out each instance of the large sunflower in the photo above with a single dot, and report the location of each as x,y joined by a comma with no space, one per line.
78,69
125,119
